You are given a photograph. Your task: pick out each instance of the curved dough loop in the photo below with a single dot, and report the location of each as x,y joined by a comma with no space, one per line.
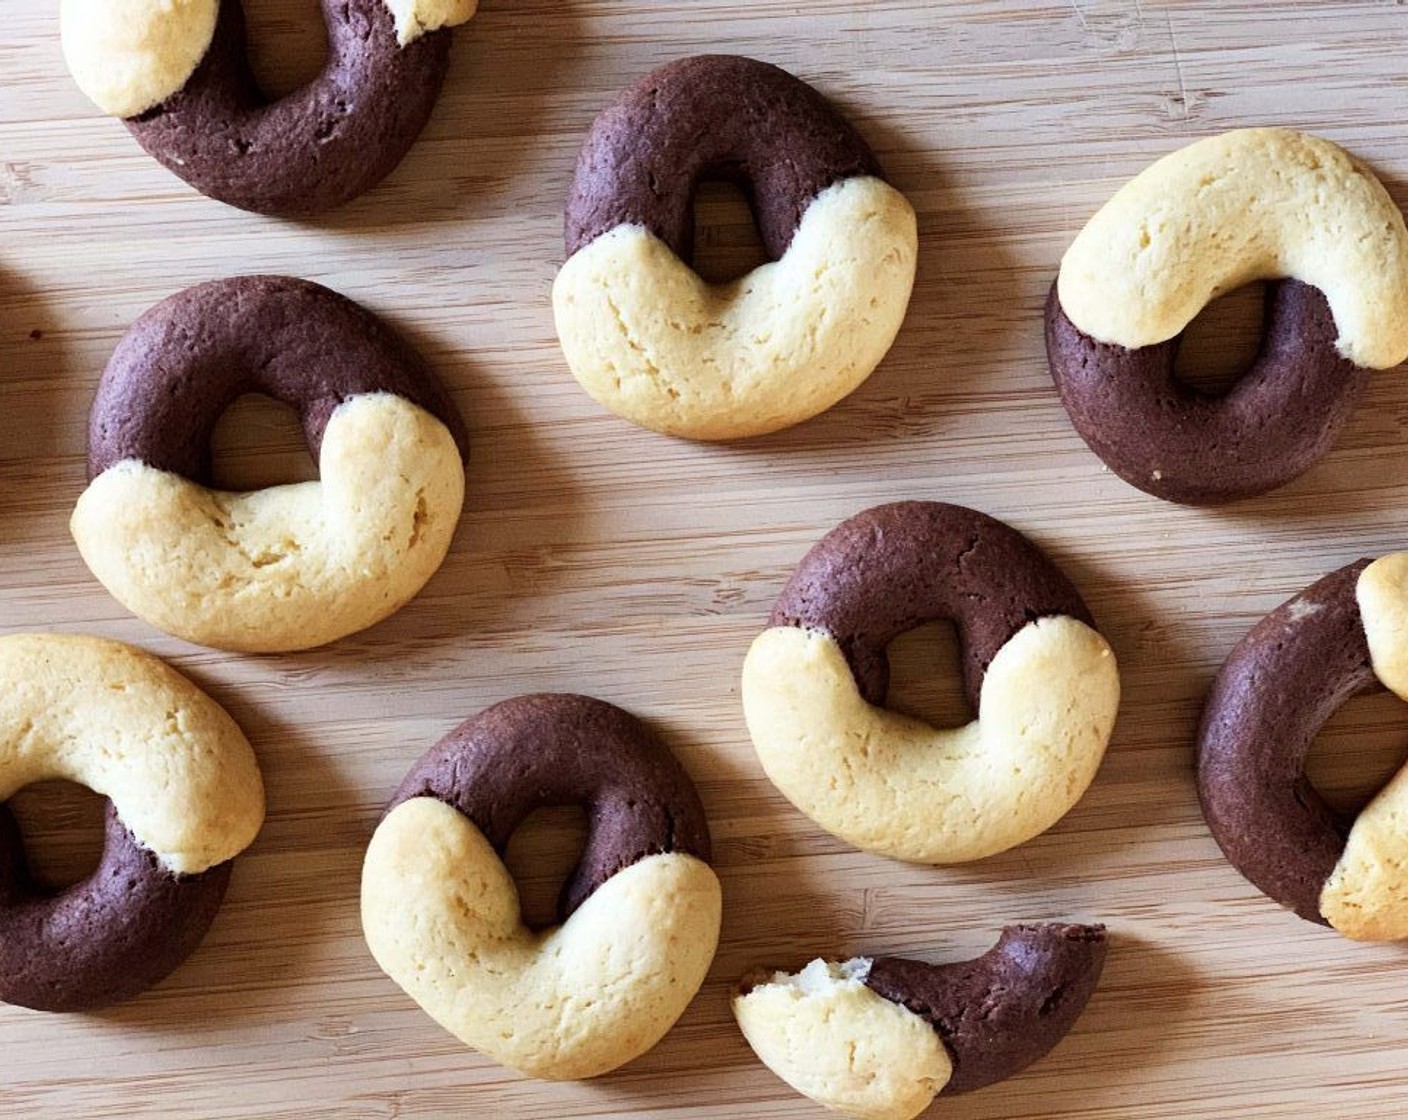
834,1040
441,916
896,786
1254,204
180,773
1366,895
654,343
290,567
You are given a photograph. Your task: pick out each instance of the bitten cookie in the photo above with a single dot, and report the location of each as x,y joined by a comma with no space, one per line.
184,798
1255,204
178,74
647,337
1343,635
878,1039
1042,681
289,567
640,913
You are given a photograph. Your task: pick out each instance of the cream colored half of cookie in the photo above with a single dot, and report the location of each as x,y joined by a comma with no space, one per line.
290,567
130,55
654,343
834,1040
1255,204
1382,595
441,916
897,786
415,17
179,771
1366,896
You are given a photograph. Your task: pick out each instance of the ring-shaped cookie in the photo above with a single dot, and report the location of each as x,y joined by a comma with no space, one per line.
184,798
640,913
1255,204
287,567
653,342
1042,681
1343,635
178,73
878,1038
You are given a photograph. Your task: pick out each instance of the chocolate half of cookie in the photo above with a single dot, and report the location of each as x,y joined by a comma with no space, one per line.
1177,443
561,749
895,567
1002,1011
191,356
1269,700
710,116
106,938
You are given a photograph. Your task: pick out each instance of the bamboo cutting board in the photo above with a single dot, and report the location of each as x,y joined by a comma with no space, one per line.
598,558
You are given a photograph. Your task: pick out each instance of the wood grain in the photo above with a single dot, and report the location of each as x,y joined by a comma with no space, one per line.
598,558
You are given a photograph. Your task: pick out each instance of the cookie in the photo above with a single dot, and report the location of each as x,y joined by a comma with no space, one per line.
1343,635
1255,204
288,567
1042,680
184,799
879,1038
639,914
654,343
177,72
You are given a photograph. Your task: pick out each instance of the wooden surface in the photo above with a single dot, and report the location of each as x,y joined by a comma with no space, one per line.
598,558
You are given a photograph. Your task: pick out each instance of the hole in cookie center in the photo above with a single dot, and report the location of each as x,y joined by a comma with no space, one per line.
726,241
1222,342
258,442
541,855
926,676
288,43
1358,751
62,826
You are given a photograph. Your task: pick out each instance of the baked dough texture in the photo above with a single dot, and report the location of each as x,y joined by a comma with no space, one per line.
654,343
180,773
834,1040
1253,204
289,567
1366,895
129,55
440,913
896,786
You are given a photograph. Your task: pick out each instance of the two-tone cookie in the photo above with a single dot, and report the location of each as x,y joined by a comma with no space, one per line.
1254,204
652,341
287,567
879,1038
1040,677
640,913
1344,634
177,72
184,796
